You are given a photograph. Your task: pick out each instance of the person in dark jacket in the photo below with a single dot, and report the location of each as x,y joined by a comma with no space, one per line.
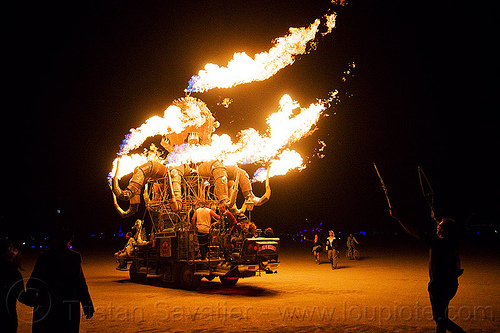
11,286
444,268
59,286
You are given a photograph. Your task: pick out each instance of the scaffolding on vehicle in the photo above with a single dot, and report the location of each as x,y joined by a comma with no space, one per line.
173,249
167,223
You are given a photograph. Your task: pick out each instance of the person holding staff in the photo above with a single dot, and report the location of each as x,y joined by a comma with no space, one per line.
444,261
444,268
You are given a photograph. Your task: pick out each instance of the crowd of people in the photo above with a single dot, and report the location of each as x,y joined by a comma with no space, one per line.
331,247
444,263
229,228
57,289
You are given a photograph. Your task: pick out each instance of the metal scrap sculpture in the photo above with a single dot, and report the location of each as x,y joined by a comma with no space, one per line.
173,185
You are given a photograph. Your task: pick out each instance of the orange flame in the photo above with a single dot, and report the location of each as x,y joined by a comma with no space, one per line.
286,126
244,69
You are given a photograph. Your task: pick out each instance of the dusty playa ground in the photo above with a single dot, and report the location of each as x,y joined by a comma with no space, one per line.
383,292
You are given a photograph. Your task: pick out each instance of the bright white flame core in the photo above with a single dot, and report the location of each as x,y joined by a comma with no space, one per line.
173,121
270,149
286,126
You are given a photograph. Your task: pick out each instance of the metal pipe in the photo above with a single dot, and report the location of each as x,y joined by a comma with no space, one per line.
174,204
217,171
141,175
132,209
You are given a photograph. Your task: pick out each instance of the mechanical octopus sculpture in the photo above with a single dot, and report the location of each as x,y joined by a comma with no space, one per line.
182,186
171,195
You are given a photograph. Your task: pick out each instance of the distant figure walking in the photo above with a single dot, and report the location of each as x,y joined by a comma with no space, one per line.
11,287
59,288
444,268
317,247
332,247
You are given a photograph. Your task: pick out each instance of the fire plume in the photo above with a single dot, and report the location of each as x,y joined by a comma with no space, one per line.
287,125
244,69
271,149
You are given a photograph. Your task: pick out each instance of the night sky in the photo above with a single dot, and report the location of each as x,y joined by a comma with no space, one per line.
421,93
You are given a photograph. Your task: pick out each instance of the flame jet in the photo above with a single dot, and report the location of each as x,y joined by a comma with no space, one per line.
187,128
244,69
227,178
286,126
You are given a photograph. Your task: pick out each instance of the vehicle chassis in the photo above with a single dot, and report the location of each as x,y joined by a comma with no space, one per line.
172,252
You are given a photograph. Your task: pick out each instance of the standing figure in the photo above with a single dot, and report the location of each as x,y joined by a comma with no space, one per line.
317,247
228,226
127,251
332,247
59,287
351,246
202,219
11,286
444,268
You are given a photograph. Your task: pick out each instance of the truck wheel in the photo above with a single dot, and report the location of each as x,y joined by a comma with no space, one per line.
134,273
188,280
228,281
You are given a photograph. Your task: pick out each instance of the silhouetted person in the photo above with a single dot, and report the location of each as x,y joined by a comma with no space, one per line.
59,284
444,269
228,223
11,287
317,247
351,246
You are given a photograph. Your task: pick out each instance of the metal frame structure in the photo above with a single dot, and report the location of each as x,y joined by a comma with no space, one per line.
172,251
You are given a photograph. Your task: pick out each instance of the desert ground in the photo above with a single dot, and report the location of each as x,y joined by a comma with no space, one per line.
385,291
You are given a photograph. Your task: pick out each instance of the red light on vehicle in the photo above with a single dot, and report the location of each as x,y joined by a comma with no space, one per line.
255,248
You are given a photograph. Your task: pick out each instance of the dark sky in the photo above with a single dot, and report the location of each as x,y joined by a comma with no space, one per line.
79,77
